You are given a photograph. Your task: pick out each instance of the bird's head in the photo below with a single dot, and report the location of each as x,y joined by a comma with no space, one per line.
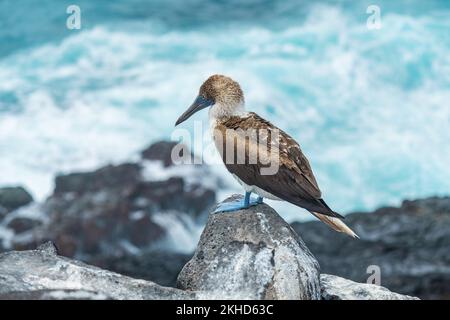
221,93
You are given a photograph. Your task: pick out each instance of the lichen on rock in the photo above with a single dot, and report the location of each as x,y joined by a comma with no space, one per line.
246,254
251,254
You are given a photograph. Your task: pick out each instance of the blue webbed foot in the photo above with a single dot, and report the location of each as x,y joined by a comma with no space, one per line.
238,204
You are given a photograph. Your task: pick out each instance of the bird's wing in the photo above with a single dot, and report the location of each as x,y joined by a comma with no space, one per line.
293,182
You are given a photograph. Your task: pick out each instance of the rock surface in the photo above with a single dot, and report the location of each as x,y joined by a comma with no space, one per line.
12,198
251,254
42,274
409,244
54,294
337,288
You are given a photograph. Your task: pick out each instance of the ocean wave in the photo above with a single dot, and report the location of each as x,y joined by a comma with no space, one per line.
370,108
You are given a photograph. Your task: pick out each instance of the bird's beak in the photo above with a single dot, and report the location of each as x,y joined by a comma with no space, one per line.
199,104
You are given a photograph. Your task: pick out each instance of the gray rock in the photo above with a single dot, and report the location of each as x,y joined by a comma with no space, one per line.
410,244
12,198
42,274
337,288
48,294
251,254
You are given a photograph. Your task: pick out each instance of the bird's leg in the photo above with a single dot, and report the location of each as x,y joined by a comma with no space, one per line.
247,199
238,204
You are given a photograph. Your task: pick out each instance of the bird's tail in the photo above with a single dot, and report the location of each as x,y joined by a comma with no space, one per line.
336,224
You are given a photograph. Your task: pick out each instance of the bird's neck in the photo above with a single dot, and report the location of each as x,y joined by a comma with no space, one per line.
223,111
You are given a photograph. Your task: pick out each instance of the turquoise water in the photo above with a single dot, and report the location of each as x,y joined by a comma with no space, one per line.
371,108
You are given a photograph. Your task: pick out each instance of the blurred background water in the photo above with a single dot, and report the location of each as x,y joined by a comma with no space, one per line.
371,108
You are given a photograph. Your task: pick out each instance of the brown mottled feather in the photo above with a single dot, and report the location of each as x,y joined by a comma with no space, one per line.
294,182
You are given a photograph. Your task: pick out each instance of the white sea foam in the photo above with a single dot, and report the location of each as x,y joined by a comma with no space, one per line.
182,231
370,108
6,236
191,174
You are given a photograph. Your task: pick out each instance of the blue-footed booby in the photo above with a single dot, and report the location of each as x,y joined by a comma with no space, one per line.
242,136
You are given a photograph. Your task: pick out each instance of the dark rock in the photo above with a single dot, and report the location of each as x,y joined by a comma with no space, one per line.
143,231
161,150
170,153
12,198
159,266
97,223
92,213
101,211
3,212
251,254
117,211
172,194
410,245
248,253
109,177
21,224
